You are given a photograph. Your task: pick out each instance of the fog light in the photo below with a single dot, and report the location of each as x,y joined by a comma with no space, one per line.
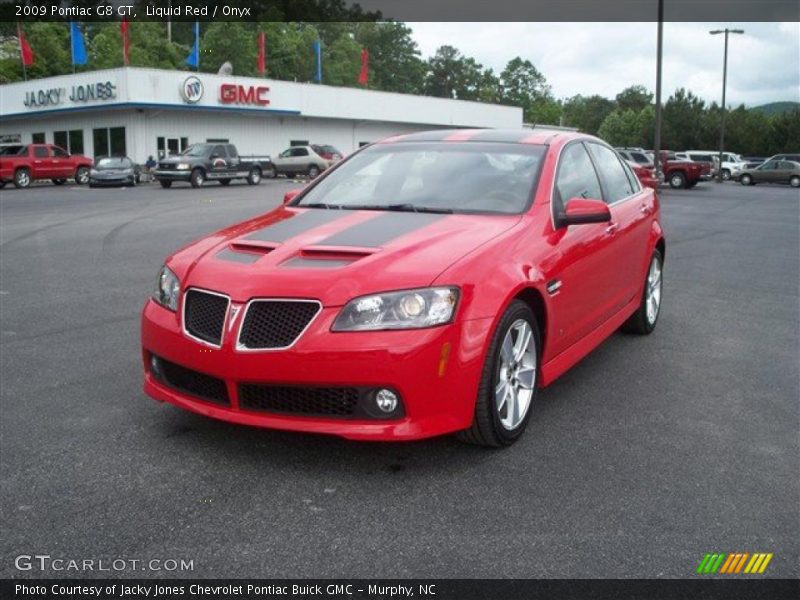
155,365
386,400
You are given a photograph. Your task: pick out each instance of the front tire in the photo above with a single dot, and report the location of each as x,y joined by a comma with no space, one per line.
254,177
197,178
794,181
677,181
644,320
313,172
509,380
165,184
270,173
22,178
82,176
746,180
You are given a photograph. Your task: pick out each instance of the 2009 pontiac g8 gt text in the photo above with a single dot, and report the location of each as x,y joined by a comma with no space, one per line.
428,284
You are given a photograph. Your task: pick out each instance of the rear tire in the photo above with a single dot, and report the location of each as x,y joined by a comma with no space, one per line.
508,386
81,175
677,181
644,320
197,178
165,184
22,178
726,174
270,173
313,172
254,177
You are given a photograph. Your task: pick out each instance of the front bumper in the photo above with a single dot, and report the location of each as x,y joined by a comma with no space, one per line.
435,372
172,175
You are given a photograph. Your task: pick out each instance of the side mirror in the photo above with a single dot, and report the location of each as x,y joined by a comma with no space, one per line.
289,196
579,211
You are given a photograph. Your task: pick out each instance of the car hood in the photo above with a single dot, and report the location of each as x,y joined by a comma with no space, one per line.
332,255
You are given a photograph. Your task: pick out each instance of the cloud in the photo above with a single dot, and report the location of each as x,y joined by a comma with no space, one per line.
604,58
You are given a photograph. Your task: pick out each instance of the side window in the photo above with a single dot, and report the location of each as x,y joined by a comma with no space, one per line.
59,152
232,151
40,151
634,181
615,181
576,175
300,152
639,158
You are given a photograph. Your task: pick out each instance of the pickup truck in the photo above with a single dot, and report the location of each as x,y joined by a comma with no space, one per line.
683,173
204,162
24,164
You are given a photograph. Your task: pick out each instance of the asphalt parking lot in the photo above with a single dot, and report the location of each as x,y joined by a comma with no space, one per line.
650,453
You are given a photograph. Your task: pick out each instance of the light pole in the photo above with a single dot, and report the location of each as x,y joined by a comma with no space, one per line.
726,31
659,52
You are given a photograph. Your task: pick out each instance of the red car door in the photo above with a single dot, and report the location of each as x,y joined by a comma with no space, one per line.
583,256
42,162
62,165
630,208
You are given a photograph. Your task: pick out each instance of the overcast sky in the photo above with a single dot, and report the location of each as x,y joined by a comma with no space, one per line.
604,58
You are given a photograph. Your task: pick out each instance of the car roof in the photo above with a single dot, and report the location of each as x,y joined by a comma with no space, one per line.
539,136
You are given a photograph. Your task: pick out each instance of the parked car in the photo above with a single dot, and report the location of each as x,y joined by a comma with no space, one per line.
683,173
210,162
791,157
710,159
647,176
429,283
300,160
773,171
328,152
637,156
26,163
753,161
732,164
114,170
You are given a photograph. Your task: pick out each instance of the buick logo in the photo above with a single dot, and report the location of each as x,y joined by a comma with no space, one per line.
192,89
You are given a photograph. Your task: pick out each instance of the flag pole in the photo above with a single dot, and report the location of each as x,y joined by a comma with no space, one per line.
72,44
21,56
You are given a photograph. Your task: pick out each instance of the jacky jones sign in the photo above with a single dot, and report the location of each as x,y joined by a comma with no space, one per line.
77,94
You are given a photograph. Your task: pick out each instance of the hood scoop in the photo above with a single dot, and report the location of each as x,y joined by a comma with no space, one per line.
244,252
323,257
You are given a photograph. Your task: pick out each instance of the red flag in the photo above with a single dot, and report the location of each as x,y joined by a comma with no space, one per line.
262,53
363,76
24,49
123,29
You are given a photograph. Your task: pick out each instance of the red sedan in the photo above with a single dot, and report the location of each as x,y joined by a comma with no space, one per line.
429,283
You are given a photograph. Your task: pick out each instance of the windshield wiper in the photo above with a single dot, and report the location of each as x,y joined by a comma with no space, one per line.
404,207
321,205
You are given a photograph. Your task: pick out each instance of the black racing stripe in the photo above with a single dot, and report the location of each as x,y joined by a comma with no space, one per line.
380,230
315,263
288,228
240,257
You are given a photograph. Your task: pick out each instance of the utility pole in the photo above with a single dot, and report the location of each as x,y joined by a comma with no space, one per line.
726,31
659,52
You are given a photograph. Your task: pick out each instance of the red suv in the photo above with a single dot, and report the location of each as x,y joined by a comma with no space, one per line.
427,284
24,164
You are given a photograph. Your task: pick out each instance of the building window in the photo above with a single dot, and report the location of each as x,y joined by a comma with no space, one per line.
109,142
37,138
184,143
298,143
71,141
10,138
172,145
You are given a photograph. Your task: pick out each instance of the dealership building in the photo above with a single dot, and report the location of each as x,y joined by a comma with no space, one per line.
141,112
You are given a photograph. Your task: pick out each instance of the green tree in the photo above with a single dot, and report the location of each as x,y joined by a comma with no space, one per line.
521,84
634,98
587,113
225,41
453,75
394,58
683,112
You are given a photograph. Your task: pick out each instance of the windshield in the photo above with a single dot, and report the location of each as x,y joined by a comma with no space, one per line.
113,163
433,176
197,150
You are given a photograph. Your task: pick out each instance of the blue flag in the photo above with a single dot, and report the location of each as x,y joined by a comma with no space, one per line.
318,56
193,60
78,45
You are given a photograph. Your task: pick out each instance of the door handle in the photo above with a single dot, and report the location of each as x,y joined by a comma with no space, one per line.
612,228
645,209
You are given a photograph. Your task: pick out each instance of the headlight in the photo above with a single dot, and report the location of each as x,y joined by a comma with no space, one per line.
167,289
410,309
183,166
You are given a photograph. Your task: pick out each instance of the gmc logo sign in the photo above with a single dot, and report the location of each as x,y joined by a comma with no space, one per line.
230,93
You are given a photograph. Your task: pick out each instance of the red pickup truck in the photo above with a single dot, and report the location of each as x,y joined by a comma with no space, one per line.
23,164
683,173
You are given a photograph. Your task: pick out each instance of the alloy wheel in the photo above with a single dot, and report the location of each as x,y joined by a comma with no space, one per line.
653,292
517,374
